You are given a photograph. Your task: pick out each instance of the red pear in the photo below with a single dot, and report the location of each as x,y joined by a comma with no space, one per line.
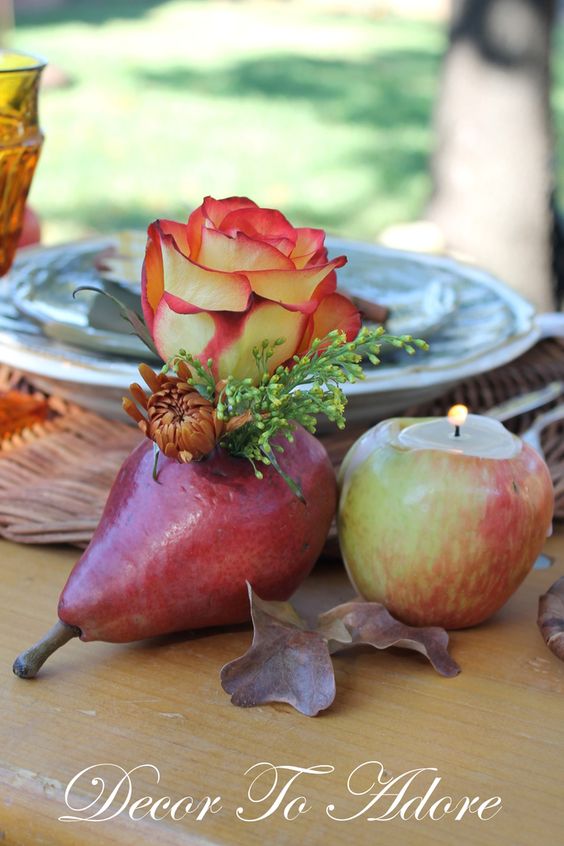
176,553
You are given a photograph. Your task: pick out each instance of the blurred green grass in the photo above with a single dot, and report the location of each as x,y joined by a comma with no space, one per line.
324,115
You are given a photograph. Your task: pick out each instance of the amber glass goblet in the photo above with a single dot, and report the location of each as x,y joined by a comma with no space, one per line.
20,144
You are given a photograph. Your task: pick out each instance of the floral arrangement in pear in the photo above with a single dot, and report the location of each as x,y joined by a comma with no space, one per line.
229,487
244,310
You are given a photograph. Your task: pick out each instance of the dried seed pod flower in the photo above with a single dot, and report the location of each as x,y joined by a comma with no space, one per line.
174,415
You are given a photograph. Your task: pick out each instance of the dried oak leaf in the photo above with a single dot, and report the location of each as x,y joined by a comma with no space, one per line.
551,618
372,624
290,662
286,662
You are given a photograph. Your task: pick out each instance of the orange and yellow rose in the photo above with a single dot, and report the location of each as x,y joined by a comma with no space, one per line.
235,275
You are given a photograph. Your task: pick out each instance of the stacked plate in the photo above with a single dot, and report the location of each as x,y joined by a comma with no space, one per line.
83,350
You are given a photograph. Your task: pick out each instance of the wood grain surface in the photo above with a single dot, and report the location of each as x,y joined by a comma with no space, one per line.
495,730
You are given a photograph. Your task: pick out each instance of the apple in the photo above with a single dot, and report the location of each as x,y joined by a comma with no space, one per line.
440,538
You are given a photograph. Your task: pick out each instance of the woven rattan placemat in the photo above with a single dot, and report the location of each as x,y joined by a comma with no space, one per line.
55,475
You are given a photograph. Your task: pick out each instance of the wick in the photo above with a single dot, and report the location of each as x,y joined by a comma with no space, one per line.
457,431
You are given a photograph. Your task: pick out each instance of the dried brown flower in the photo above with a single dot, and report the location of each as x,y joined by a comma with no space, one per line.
174,415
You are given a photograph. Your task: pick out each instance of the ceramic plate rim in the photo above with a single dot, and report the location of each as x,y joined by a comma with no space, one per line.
14,353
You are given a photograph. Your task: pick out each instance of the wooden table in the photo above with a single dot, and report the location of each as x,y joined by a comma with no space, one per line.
495,730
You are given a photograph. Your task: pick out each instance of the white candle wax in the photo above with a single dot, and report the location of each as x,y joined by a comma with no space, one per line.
479,436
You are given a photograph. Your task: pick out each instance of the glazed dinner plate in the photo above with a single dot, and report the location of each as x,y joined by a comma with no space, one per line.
82,349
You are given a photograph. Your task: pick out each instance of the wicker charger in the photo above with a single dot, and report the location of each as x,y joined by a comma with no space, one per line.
55,474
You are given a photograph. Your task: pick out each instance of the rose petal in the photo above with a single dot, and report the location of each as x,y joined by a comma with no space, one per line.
235,337
259,223
308,244
301,289
334,312
283,245
209,215
241,253
173,331
196,222
229,338
152,280
196,287
217,210
179,232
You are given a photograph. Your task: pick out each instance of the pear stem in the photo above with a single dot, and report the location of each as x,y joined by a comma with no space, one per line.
28,664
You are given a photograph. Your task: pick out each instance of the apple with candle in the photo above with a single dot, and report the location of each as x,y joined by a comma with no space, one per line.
442,519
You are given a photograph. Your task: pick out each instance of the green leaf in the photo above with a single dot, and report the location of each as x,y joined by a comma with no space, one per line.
135,320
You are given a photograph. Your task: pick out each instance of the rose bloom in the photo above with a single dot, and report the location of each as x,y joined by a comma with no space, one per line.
234,276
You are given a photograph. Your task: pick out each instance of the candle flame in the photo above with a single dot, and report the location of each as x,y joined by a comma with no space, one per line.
457,415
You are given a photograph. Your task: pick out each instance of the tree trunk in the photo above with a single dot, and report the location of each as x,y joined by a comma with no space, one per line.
493,165
6,21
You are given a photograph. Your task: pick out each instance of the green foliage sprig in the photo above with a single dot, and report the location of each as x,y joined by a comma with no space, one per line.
291,395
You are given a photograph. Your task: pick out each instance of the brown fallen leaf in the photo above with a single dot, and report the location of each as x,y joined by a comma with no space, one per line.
291,662
551,618
286,663
372,624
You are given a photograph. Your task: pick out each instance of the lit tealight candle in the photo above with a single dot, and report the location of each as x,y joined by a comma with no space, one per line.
463,433
457,416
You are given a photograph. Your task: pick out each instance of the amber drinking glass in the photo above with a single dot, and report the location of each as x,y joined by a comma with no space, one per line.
20,144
